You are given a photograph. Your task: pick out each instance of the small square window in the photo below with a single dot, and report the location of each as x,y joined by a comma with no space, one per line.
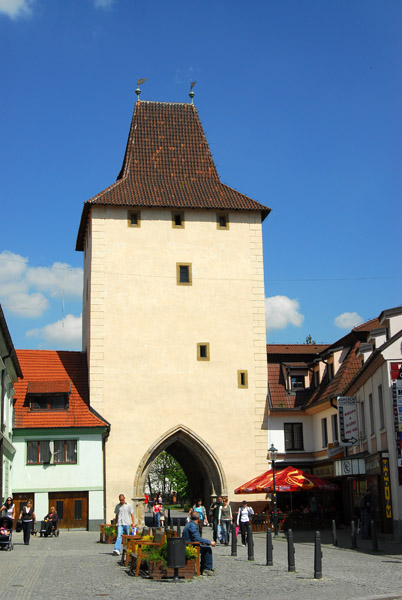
242,379
203,351
178,220
183,274
222,221
134,218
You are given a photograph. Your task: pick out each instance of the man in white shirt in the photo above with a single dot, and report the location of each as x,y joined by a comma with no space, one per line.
124,520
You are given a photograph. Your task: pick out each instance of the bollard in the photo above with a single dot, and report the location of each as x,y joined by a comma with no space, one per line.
169,520
291,552
374,537
317,556
270,548
234,541
353,536
334,534
250,543
178,528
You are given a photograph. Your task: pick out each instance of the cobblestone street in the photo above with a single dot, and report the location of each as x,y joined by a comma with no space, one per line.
76,566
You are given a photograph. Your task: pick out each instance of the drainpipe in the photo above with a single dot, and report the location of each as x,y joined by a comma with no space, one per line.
105,435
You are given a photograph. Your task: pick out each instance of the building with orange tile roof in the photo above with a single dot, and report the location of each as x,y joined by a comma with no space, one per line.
58,439
304,384
10,370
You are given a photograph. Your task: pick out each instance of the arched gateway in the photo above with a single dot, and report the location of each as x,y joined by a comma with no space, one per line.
199,462
173,312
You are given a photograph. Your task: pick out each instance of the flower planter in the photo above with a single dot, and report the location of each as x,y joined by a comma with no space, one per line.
157,571
110,539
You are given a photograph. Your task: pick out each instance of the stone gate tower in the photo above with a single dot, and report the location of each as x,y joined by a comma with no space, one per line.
173,312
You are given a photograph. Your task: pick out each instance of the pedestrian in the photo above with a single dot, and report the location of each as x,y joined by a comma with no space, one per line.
124,520
243,520
157,514
146,502
225,520
200,509
8,508
191,533
162,513
366,513
215,516
28,518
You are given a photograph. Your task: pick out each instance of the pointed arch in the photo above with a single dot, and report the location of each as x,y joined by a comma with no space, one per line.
199,451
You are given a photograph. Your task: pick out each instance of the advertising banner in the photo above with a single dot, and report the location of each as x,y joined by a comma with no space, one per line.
348,423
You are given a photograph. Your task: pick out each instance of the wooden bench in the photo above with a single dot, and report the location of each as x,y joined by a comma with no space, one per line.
137,555
128,544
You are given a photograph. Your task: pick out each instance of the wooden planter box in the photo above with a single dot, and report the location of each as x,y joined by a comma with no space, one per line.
157,571
110,539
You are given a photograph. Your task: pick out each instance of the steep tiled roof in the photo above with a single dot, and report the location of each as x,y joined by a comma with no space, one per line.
168,164
51,369
368,325
295,348
279,397
337,386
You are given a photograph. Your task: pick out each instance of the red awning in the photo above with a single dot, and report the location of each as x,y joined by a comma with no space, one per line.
286,480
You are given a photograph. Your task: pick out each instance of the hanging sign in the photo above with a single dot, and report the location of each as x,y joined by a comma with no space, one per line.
348,425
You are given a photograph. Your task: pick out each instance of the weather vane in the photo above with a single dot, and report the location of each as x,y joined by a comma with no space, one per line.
138,91
191,94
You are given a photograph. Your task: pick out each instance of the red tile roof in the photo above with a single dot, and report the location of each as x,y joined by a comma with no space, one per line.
295,348
168,164
337,386
49,387
280,398
56,368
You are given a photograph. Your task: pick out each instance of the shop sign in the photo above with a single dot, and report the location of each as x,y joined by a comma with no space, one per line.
373,463
348,424
387,488
350,466
396,379
324,471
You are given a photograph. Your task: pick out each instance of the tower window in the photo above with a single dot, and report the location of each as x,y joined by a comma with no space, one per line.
183,274
203,351
178,220
242,379
134,218
222,221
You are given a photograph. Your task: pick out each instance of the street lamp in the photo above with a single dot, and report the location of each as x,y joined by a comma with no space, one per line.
272,453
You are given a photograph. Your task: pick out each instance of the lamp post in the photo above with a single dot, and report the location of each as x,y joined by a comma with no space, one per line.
272,453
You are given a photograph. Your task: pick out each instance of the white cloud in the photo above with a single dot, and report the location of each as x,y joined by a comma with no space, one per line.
65,334
26,291
107,4
59,275
348,320
282,311
16,8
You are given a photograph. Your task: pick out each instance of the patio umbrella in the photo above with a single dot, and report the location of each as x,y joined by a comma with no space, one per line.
286,480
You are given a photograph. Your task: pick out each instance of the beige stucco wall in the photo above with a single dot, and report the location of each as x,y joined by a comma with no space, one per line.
142,332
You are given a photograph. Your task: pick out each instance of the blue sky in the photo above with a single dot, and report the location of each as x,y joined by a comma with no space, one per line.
300,102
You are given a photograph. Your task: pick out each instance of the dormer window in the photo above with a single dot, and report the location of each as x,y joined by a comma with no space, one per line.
297,382
48,395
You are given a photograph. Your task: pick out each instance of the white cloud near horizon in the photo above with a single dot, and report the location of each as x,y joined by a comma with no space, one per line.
348,320
26,290
16,8
65,334
282,311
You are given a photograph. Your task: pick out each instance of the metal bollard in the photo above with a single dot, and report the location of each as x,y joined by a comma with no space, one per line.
178,528
270,548
317,556
169,520
291,552
374,537
334,534
353,535
250,543
234,541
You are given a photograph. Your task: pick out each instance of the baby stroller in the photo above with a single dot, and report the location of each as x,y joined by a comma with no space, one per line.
48,528
6,533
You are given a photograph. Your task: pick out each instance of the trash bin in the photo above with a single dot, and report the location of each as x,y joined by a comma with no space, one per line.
176,552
